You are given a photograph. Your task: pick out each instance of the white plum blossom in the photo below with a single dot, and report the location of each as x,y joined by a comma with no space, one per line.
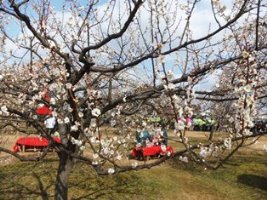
96,112
170,86
53,101
144,124
55,72
170,75
66,120
88,132
119,157
111,152
68,86
95,162
183,159
93,124
245,54
60,121
74,128
54,87
70,109
118,110
95,156
106,151
111,170
250,123
216,2
82,148
204,152
4,110
247,88
247,132
180,125
52,44
230,119
80,114
227,143
124,99
40,105
134,165
76,141
113,123
1,77
81,8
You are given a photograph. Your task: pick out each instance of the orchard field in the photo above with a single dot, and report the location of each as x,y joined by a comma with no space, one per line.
244,176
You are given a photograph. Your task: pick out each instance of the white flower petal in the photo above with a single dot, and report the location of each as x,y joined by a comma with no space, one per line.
111,170
96,112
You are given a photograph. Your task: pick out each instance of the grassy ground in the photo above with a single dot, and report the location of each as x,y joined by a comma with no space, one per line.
244,177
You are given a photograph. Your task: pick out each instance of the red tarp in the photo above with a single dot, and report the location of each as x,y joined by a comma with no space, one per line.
44,110
152,151
33,142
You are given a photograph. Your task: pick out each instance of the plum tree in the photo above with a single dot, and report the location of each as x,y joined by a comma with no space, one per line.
119,61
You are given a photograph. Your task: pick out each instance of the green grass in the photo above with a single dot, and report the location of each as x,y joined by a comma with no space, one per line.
243,177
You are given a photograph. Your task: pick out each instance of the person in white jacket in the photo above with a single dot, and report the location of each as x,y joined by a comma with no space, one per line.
50,124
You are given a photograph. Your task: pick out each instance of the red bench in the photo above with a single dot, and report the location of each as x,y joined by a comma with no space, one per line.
153,151
32,143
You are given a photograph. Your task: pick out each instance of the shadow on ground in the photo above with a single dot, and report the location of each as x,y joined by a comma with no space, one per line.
254,181
36,181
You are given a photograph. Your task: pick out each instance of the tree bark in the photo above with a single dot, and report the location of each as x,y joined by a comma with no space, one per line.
66,164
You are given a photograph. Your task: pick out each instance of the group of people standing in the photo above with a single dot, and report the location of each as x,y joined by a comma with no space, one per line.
196,123
204,124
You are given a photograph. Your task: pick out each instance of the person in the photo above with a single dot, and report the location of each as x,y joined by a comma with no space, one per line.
188,122
156,137
199,124
137,136
50,124
164,135
142,135
210,124
149,143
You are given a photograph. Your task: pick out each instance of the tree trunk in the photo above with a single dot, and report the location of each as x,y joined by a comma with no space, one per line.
65,166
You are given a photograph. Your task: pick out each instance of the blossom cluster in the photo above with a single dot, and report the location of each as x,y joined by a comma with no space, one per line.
246,90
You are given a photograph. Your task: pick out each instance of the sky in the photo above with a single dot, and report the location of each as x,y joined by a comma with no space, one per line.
201,22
